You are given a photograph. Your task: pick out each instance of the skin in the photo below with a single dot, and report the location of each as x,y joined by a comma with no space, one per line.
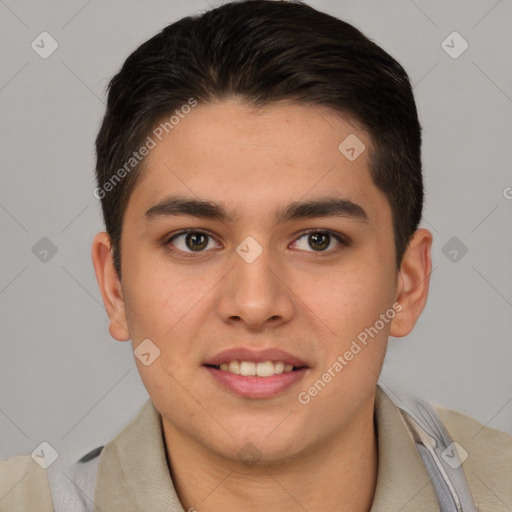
295,296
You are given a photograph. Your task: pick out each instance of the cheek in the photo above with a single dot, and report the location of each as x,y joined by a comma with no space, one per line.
351,303
156,295
168,306
349,299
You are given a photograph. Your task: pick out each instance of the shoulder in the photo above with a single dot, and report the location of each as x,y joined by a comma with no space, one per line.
486,456
24,486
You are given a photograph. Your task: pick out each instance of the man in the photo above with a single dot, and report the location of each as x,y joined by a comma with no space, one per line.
260,177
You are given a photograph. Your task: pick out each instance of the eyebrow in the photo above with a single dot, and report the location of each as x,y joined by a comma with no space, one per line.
321,207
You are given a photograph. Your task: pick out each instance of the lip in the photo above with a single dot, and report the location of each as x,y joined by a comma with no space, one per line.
255,356
252,386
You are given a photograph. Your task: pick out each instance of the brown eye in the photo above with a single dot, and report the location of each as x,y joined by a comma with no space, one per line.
196,241
190,241
320,241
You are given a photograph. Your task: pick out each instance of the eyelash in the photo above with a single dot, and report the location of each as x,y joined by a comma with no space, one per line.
342,240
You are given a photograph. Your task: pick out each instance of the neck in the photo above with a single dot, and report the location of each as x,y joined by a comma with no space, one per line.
338,473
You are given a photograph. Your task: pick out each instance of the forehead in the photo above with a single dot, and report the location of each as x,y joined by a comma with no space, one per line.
229,152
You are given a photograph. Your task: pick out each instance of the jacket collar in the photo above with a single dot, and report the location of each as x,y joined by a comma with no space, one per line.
403,482
133,473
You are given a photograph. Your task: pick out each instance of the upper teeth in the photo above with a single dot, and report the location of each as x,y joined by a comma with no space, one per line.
264,369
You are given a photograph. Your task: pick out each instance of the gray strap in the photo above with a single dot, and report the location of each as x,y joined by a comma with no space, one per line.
432,440
444,495
72,485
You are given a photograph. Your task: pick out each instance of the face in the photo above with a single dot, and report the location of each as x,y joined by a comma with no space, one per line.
253,277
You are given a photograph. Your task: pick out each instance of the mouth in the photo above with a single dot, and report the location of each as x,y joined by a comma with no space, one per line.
250,368
262,374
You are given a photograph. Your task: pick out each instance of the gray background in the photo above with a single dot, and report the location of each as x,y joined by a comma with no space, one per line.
65,381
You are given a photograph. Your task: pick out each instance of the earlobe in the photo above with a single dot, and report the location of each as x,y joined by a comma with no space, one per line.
413,283
110,286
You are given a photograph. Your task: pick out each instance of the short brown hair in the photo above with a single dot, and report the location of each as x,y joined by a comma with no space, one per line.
264,51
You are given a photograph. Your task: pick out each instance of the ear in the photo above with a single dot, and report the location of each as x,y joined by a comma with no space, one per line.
110,286
413,283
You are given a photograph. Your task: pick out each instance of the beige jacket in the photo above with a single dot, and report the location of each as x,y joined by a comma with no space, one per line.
403,483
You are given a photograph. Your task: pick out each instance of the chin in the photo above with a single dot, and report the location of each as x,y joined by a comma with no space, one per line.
253,451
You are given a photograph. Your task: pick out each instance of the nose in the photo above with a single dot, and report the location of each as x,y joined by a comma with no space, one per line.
255,293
